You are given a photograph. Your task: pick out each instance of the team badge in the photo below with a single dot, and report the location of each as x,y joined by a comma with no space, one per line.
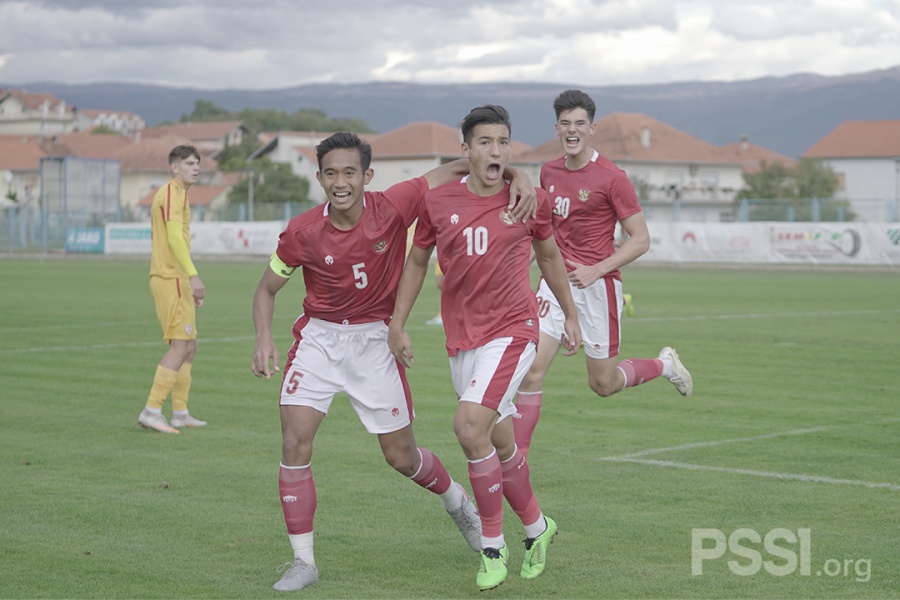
552,189
454,219
472,383
380,246
507,217
583,195
188,328
329,260
529,323
395,412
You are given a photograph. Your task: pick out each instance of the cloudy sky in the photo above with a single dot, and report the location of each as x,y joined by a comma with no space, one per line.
219,44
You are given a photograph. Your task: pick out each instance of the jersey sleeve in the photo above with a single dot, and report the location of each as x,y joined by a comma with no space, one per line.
407,198
542,228
623,197
288,249
174,203
425,234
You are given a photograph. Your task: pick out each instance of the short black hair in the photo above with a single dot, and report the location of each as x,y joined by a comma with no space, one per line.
345,139
491,114
572,99
179,153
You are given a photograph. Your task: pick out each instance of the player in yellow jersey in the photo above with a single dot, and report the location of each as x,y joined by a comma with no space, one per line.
177,291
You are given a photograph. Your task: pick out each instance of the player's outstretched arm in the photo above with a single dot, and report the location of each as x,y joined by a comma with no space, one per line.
550,262
410,285
265,354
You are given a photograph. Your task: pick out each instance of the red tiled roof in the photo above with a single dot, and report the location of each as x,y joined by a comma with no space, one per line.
198,195
205,130
33,101
85,145
621,137
752,156
859,139
418,139
153,155
18,154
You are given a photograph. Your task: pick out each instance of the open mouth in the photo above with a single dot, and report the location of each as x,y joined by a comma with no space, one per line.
572,141
493,170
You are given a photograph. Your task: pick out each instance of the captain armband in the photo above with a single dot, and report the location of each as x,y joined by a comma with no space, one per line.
277,265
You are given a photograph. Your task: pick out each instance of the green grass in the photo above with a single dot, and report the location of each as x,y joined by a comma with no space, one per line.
94,507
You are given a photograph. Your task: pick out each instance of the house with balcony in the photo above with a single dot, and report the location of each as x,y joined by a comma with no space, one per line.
865,155
23,112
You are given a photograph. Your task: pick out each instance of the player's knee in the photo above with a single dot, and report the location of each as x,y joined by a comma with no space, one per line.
294,450
603,386
532,381
403,462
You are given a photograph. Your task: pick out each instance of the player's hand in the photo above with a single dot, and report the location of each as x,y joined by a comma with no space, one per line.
583,275
265,359
198,290
522,199
401,346
571,339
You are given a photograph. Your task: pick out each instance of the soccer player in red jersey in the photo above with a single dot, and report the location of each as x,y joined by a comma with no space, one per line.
491,323
590,195
351,253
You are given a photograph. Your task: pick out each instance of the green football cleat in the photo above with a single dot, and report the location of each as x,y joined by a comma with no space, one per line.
536,551
493,568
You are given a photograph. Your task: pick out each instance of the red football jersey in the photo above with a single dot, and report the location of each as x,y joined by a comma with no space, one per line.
351,276
485,258
587,205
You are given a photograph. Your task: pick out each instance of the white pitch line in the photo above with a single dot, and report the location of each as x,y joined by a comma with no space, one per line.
634,457
817,314
159,342
771,474
754,438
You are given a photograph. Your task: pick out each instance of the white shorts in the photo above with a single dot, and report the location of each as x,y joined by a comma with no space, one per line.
599,314
328,358
490,375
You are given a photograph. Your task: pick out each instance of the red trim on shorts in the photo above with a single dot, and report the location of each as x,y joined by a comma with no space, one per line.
612,313
407,393
506,368
178,288
297,330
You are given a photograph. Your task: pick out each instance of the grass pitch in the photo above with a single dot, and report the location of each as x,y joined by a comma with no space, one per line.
793,426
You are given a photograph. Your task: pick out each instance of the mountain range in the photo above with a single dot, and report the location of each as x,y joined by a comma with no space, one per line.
786,114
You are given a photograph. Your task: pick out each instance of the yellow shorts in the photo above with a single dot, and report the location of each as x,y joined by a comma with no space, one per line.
174,308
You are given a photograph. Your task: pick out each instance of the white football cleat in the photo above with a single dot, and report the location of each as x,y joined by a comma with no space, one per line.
680,377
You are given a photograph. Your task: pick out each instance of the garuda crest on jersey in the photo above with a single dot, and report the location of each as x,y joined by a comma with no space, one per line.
506,217
380,246
583,195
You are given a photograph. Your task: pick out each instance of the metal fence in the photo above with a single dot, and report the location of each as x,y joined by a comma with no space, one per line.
29,229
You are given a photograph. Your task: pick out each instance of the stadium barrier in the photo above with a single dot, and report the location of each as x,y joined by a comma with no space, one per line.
875,244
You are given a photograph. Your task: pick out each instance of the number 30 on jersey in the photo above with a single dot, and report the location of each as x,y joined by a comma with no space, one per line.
561,207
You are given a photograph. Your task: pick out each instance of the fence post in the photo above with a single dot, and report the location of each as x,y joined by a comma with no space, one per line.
816,210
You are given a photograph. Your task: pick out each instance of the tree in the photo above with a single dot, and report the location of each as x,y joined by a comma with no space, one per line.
234,157
777,192
205,110
273,183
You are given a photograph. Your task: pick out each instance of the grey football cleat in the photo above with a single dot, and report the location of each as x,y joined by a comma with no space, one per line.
468,520
297,577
